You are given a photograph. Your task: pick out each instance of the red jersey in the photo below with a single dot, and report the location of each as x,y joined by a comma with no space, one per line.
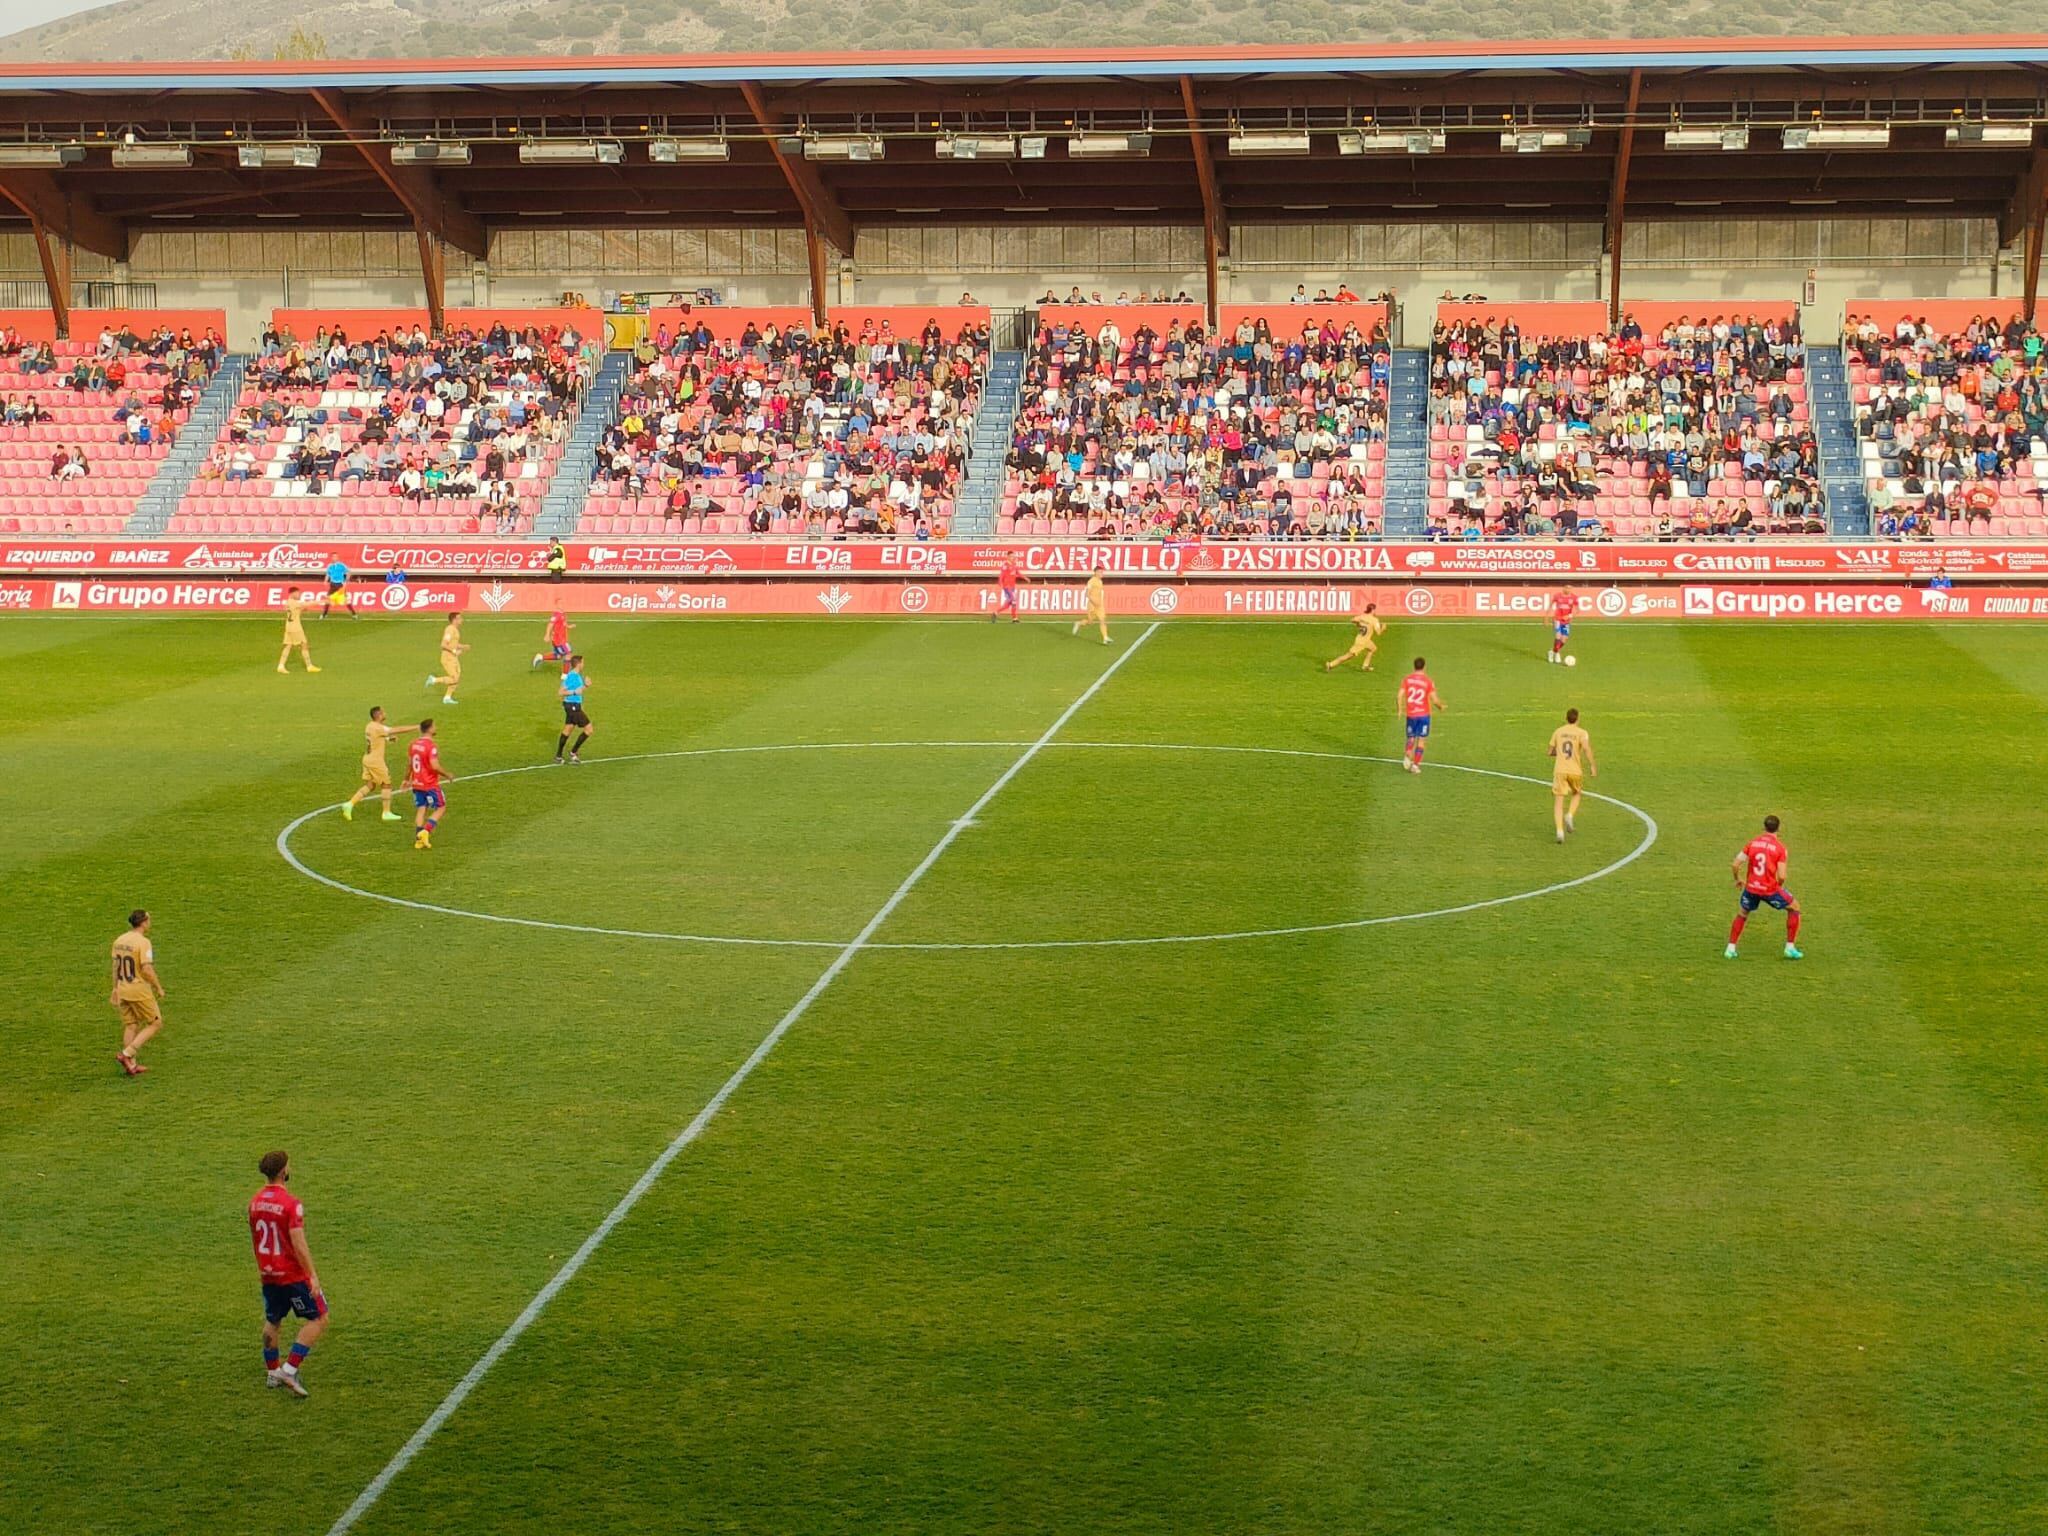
1418,693
1564,605
424,759
1763,860
558,630
1008,574
274,1215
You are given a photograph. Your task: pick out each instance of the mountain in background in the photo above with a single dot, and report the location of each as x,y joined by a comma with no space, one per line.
221,29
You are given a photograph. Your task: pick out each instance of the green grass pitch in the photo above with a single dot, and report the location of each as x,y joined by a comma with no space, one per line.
1540,1217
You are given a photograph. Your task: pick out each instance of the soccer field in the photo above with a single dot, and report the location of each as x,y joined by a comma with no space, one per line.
1537,1215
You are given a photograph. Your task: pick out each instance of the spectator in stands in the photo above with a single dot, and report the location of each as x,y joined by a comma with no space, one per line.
69,463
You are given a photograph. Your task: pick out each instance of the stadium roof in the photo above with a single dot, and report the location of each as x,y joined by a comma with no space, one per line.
1931,126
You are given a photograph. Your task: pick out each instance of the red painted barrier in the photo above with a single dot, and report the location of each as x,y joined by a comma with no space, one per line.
1535,319
1286,321
362,324
86,324
728,323
1946,315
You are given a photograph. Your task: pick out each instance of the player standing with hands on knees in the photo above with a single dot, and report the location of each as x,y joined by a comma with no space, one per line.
284,1263
1760,881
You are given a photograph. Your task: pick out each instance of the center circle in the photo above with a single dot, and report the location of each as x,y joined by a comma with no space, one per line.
1251,758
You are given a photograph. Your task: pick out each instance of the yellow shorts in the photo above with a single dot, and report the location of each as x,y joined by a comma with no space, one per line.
1567,784
138,1011
1098,615
293,635
376,775
451,667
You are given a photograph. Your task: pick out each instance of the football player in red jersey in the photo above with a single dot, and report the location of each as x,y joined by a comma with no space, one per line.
1006,588
1760,881
284,1263
1562,607
424,770
1419,700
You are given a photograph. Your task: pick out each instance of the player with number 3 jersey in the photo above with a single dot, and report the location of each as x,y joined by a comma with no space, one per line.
1760,881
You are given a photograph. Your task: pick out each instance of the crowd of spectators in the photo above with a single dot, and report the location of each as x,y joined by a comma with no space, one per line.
477,415
829,433
1951,426
1700,430
1149,433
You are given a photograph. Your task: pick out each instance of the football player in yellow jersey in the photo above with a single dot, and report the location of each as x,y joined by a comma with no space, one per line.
1367,642
1572,750
452,648
376,772
295,631
137,992
1098,607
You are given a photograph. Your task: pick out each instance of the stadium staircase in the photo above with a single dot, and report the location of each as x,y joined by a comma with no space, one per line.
988,453
1827,389
202,429
561,510
1407,484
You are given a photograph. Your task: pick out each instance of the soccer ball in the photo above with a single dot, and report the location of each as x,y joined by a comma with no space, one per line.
1571,661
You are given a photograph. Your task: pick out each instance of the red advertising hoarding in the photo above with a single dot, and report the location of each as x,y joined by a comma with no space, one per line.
1271,561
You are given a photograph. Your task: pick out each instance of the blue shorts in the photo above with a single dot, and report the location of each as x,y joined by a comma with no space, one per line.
431,799
298,1298
1750,901
1418,727
1564,631
560,652
1009,597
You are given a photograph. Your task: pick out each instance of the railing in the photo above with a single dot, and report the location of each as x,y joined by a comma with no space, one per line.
34,293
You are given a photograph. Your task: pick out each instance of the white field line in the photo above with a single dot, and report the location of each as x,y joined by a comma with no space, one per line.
460,1392
1338,925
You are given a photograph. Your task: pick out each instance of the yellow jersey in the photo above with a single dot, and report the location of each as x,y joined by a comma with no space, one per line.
1569,744
1369,625
375,735
131,954
292,608
1094,593
451,637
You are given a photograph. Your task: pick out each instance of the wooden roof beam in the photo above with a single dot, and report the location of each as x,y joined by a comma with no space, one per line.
416,190
48,204
821,209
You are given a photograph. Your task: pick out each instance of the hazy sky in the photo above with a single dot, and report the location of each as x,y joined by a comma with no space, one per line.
20,15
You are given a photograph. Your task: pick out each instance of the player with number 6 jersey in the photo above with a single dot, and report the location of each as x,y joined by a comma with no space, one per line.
284,1265
1760,881
424,773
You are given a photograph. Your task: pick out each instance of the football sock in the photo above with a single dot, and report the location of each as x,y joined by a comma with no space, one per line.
1791,927
269,1358
1735,928
433,822
300,1349
581,737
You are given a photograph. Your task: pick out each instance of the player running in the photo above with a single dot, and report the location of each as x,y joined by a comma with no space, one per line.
337,590
1419,700
1760,878
295,631
573,717
1098,607
376,772
137,994
1006,588
452,647
423,774
556,647
284,1263
1573,749
1366,642
1562,607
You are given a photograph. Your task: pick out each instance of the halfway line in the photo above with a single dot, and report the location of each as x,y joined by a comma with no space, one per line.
459,1393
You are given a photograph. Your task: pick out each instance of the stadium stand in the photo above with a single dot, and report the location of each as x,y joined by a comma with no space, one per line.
1137,423
360,423
1951,412
1675,425
85,422
751,421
